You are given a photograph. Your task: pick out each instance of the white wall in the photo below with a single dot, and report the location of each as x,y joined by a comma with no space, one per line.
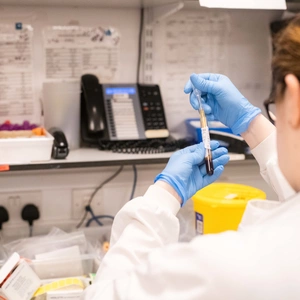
248,48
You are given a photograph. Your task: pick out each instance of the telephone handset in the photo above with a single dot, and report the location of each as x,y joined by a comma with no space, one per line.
121,112
94,110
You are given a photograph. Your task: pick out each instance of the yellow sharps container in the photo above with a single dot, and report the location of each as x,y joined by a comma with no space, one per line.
220,206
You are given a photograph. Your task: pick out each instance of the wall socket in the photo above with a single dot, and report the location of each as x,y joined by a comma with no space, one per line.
14,203
80,200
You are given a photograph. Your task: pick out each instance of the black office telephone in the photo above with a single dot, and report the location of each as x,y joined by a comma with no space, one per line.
124,117
117,112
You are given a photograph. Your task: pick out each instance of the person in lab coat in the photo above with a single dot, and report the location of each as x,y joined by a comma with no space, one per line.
261,260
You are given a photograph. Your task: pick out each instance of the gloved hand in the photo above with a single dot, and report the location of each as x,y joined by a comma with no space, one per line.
223,101
186,171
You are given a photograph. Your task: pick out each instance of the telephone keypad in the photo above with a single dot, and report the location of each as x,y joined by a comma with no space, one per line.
152,108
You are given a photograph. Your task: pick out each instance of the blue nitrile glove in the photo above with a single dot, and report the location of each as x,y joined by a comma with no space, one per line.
186,171
223,101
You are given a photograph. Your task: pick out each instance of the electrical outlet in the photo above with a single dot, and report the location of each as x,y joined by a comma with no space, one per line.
81,199
14,202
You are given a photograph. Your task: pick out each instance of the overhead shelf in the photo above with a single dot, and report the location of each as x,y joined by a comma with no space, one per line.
293,6
111,3
94,3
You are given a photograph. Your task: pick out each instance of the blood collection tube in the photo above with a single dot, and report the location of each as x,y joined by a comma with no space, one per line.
205,135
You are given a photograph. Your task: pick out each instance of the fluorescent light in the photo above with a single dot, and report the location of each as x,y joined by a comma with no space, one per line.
245,4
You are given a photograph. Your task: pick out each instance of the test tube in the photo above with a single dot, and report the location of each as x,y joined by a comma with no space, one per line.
205,135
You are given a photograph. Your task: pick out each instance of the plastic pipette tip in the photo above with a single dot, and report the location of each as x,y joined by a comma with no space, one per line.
197,93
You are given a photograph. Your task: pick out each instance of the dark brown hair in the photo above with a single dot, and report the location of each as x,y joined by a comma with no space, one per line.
286,59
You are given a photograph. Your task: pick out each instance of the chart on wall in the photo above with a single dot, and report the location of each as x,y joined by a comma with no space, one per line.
188,42
71,51
17,99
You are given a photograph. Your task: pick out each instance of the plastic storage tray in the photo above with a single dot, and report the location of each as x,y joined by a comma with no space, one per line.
25,150
66,267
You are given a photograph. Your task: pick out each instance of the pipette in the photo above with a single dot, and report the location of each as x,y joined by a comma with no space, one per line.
205,135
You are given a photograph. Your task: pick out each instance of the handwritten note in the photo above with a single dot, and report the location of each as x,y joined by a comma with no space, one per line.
71,51
17,101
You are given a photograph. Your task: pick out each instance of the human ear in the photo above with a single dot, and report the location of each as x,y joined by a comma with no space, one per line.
291,100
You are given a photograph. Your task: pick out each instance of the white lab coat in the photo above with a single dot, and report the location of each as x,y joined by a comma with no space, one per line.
259,262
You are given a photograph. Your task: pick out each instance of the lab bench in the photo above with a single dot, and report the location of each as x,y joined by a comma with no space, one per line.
91,158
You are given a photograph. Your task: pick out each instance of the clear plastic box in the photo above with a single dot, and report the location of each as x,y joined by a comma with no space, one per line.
66,266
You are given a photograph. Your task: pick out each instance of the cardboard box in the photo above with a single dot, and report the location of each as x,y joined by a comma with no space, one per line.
18,281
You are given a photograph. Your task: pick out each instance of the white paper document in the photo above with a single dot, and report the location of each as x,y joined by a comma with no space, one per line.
245,4
185,43
71,51
17,100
